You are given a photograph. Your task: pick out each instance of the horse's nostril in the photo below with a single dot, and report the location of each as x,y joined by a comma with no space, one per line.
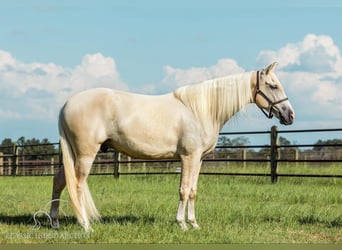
291,116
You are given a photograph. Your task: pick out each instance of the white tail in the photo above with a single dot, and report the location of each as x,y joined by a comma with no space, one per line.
80,196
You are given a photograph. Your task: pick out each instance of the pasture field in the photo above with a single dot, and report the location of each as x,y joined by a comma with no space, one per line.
142,209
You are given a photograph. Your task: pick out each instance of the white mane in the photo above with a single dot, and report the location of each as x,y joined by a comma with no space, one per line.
214,101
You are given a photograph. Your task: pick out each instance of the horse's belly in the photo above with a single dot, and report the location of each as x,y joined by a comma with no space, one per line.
146,149
153,128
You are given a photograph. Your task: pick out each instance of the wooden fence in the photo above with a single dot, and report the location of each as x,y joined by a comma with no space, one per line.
223,161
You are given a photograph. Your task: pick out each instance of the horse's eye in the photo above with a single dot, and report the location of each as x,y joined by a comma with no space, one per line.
272,85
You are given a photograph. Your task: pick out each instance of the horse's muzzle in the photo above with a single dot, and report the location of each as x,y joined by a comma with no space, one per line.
287,119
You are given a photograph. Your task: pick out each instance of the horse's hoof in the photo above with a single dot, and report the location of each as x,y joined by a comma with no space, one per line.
87,228
55,224
194,225
183,225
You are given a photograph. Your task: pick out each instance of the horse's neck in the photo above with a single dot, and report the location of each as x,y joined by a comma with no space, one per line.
237,95
215,101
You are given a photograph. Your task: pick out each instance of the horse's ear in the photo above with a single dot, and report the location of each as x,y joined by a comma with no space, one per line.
270,68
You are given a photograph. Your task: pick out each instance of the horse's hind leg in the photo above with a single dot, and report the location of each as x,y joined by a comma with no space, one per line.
87,206
58,186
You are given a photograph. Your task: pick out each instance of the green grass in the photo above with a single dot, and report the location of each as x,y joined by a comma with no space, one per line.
141,209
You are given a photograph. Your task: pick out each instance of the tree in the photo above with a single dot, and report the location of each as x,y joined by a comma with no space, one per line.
34,149
334,152
7,146
283,141
223,141
236,142
287,152
240,141
327,142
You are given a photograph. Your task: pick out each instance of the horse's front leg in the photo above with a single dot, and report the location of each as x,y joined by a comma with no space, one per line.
184,192
192,195
187,191
58,186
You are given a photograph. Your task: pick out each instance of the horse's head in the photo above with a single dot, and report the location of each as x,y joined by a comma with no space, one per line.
270,97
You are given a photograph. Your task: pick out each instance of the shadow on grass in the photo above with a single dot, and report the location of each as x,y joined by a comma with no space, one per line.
311,219
126,219
16,219
27,219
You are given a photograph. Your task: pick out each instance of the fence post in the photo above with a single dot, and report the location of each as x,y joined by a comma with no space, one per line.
52,165
129,159
244,157
116,164
60,156
274,154
1,163
296,156
15,159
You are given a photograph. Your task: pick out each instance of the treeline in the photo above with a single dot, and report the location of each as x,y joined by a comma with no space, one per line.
36,149
33,149
322,149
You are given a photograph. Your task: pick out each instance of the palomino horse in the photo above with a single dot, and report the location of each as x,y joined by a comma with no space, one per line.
184,125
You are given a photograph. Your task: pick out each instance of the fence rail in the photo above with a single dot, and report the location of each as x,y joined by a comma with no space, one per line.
19,162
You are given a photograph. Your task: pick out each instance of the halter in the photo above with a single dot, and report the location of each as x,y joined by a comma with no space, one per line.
270,103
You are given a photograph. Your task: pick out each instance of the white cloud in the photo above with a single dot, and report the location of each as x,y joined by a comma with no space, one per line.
176,77
6,59
7,114
314,54
329,94
311,72
37,90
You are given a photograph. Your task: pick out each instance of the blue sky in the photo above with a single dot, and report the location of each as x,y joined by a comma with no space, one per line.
52,49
